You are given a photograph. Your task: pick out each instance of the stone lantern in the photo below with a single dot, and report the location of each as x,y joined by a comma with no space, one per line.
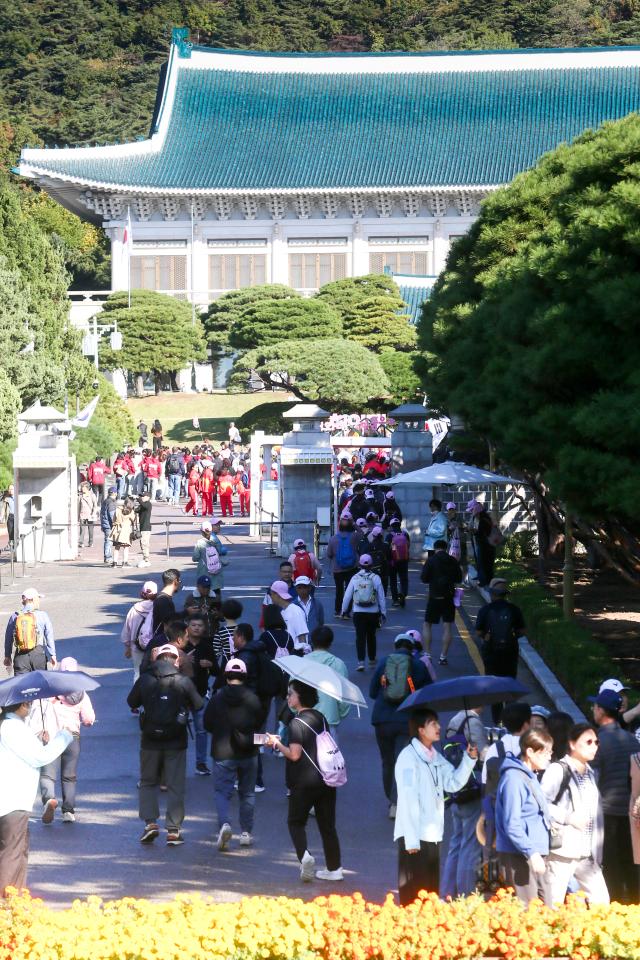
411,449
306,461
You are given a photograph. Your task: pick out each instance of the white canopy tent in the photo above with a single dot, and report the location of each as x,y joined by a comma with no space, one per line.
451,473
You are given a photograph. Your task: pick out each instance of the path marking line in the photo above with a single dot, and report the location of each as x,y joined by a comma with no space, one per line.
469,643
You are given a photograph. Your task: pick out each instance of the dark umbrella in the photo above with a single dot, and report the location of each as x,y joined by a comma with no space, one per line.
43,684
462,693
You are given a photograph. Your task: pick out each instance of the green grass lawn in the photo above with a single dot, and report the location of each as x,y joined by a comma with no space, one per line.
176,411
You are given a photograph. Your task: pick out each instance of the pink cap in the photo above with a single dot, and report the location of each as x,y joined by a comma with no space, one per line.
235,665
166,648
298,543
376,531
281,588
365,560
149,589
451,506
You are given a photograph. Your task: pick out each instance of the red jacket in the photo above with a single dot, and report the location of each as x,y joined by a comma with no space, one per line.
151,468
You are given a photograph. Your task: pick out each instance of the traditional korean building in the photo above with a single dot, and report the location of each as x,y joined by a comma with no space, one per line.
306,168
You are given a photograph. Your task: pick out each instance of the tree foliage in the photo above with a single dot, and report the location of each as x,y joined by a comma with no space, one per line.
158,333
376,324
271,321
531,332
404,382
334,373
225,311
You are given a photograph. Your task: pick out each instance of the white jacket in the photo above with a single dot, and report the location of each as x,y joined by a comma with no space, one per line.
421,785
575,843
21,756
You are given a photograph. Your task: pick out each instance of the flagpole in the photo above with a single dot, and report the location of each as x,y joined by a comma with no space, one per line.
193,301
129,245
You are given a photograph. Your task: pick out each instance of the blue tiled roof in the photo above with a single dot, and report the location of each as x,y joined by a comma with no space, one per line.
414,297
243,130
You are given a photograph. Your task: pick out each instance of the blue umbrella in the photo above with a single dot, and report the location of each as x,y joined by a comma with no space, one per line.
464,692
43,684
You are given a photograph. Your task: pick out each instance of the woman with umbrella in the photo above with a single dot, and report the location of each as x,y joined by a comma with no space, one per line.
422,777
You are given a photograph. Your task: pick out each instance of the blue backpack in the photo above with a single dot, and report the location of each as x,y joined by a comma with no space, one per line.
345,554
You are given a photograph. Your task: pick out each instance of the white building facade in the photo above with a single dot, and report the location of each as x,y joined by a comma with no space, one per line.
303,169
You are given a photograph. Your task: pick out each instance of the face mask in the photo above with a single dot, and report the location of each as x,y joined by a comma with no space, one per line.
28,607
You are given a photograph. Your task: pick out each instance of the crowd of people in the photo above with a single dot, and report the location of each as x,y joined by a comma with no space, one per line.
535,801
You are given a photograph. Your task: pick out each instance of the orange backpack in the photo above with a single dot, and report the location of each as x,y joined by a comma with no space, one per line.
25,632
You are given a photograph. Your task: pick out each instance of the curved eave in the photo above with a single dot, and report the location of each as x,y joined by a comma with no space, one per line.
121,189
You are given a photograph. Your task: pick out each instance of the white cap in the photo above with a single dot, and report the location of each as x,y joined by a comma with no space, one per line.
206,527
149,587
303,581
31,594
616,685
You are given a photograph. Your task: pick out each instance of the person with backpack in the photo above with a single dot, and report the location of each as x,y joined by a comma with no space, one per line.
208,553
233,716
399,550
304,563
315,767
500,624
396,676
199,649
390,510
364,591
174,471
343,558
460,870
107,519
334,711
166,698
97,476
132,636
441,572
575,805
29,642
380,552
292,614
422,777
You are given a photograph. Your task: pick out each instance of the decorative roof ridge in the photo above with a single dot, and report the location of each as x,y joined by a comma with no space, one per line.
381,54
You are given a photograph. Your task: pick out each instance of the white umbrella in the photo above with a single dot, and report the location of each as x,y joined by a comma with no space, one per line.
323,678
451,473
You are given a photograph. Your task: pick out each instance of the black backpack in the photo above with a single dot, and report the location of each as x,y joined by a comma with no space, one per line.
164,715
500,628
270,679
454,748
173,463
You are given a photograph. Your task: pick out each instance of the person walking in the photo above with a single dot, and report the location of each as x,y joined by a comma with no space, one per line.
292,614
208,553
8,513
575,806
87,513
193,482
234,436
422,776
500,624
611,762
124,524
225,491
22,755
174,470
143,511
436,527
29,642
165,697
233,715
441,572
71,712
307,786
523,818
465,853
390,510
343,558
334,711
143,434
481,531
364,591
304,563
152,469
133,624
157,434
396,676
203,662
309,604
96,476
107,520
399,551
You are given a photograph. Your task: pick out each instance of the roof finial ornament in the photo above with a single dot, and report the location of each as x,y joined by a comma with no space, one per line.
180,38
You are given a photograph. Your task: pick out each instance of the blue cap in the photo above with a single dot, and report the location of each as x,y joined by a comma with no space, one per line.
608,700
112,490
539,711
203,582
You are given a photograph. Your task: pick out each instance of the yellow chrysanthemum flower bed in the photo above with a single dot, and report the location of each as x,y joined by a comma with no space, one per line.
329,928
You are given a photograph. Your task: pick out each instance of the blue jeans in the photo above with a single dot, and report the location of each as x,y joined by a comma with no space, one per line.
173,481
108,546
200,734
463,858
224,774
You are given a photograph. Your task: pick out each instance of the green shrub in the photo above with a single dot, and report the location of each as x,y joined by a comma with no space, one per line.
519,546
578,659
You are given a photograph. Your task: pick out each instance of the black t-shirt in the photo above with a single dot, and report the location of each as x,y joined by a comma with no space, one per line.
441,572
144,516
502,621
163,609
302,773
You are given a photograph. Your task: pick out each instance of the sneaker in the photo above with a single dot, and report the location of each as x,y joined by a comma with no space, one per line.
150,832
246,840
49,810
260,788
443,661
372,663
203,770
224,836
307,868
163,787
135,712
360,666
330,874
392,811
68,816
174,838
144,563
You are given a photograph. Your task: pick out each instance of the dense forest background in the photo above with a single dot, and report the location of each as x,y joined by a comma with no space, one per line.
88,69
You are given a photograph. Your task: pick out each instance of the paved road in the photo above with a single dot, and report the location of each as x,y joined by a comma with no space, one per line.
100,854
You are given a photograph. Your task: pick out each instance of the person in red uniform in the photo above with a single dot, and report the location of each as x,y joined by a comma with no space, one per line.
225,490
241,483
193,480
206,490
